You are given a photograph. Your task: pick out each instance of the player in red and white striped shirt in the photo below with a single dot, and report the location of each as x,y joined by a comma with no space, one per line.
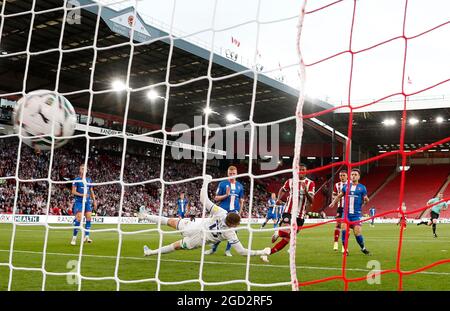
305,199
343,176
402,218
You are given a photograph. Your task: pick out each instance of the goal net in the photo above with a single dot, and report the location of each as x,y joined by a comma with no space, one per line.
167,94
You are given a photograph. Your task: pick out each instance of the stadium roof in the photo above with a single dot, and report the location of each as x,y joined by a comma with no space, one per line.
274,100
232,83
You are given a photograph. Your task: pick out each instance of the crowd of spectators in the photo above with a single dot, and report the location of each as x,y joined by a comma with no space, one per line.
6,113
138,181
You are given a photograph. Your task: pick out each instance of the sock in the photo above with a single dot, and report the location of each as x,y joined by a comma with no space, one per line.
164,250
75,231
275,225
360,240
343,237
215,246
228,247
279,246
434,228
264,224
422,223
155,219
88,226
337,230
277,232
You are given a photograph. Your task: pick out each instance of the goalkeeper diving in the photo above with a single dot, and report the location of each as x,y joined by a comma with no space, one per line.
215,228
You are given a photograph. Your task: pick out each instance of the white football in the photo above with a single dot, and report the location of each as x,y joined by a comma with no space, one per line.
43,112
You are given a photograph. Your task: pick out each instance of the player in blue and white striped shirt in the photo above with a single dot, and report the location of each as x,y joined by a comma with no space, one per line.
372,212
273,211
230,197
183,206
357,197
82,192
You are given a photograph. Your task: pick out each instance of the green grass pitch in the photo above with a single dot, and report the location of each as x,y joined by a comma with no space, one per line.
315,260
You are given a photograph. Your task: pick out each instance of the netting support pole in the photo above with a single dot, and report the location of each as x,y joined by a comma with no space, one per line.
297,156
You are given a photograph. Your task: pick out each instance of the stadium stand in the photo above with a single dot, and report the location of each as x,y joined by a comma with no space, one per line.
138,168
422,183
376,178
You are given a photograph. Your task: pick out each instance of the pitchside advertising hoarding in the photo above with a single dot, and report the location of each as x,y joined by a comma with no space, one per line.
54,219
8,218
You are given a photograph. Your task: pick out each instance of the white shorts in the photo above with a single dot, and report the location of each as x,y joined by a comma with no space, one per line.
191,232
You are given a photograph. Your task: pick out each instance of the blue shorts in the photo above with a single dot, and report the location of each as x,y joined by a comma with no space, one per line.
77,208
180,214
272,216
353,218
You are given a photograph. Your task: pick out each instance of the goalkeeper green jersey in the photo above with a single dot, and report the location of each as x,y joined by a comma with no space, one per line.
437,208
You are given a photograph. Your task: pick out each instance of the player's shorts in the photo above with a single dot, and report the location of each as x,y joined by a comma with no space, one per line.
402,220
353,218
272,216
339,212
78,208
286,219
192,235
434,215
180,214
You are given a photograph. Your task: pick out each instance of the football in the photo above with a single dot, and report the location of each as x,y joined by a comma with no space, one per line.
44,114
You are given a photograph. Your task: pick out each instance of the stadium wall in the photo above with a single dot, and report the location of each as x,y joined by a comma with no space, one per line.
54,219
